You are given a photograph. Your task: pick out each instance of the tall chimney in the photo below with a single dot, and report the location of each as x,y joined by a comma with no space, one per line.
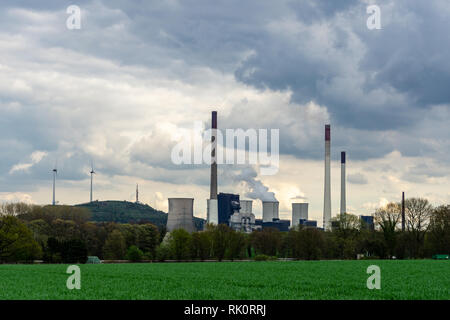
343,195
213,188
403,211
327,189
212,205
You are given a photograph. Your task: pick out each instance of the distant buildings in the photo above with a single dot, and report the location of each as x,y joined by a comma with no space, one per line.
281,225
367,222
244,219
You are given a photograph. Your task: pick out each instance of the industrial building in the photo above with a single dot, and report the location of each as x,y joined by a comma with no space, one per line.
367,222
228,209
271,217
244,219
228,204
308,223
281,225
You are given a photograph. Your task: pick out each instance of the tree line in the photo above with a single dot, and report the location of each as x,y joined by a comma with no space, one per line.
65,234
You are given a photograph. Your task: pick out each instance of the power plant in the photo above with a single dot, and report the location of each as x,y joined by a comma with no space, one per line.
227,208
327,185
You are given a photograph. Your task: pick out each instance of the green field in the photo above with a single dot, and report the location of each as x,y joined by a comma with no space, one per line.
415,279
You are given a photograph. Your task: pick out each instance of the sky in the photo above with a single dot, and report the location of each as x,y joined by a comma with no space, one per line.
132,82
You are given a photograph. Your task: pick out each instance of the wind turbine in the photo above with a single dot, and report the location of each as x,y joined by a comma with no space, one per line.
55,172
92,175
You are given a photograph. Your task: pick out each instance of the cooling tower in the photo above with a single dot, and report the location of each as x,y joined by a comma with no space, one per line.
299,211
327,187
270,210
246,206
181,214
343,182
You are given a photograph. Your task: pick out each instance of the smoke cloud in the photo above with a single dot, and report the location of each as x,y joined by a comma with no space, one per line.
256,189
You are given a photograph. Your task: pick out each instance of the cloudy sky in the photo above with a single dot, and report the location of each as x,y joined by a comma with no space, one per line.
126,87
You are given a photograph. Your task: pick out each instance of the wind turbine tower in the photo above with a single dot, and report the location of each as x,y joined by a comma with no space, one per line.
55,172
92,177
137,193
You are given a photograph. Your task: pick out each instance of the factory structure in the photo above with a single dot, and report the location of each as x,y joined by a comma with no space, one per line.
229,209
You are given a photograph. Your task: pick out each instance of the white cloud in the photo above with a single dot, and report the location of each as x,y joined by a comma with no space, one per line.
16,197
35,158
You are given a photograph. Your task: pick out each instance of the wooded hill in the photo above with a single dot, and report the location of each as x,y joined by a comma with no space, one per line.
129,212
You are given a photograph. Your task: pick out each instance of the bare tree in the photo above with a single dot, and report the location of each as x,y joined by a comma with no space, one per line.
387,218
417,214
439,230
14,208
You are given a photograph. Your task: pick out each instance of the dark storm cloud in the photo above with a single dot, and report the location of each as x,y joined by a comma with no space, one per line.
380,88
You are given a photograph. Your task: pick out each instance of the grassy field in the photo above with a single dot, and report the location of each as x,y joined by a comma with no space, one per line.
418,279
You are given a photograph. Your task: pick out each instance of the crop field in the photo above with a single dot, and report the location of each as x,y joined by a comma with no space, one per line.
415,279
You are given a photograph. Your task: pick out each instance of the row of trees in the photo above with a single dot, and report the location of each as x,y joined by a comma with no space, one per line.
427,232
427,229
65,234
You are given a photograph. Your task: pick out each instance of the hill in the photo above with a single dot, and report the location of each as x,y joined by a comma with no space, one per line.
129,212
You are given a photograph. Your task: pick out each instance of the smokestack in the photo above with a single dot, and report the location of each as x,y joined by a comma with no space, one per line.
403,211
212,206
327,187
213,188
343,195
